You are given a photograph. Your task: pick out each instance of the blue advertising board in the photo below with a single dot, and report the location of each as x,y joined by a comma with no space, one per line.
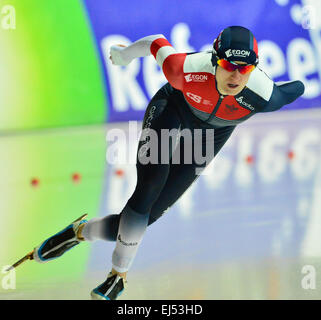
288,34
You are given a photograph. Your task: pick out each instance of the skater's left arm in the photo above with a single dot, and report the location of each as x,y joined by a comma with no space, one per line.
284,93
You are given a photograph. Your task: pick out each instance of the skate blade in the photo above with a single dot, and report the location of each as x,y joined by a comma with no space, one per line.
81,217
28,256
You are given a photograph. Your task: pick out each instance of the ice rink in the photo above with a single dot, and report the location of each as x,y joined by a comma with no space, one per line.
249,228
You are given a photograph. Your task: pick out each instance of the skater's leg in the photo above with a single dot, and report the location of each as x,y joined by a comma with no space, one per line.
179,179
151,178
181,176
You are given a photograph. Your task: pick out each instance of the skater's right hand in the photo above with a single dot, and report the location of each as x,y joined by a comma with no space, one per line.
116,55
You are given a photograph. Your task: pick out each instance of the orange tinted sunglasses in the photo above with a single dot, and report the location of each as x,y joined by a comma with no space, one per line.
231,66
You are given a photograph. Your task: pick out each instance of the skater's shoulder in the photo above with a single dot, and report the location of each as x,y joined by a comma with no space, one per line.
199,62
260,84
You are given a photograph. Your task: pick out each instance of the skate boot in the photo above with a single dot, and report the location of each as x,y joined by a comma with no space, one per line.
58,244
111,289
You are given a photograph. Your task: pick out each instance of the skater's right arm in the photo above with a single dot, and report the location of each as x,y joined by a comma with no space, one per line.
166,56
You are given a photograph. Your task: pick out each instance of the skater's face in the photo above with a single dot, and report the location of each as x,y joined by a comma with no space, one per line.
231,82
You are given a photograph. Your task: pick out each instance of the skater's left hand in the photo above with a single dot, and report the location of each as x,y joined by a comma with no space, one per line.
116,56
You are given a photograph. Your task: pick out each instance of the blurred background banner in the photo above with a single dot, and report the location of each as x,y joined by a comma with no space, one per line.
50,75
55,68
287,32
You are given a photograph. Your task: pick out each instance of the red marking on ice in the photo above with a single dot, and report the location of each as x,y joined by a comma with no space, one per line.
249,159
291,155
119,173
76,177
34,182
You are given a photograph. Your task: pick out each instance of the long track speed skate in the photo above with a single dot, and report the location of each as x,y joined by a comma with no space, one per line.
55,246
